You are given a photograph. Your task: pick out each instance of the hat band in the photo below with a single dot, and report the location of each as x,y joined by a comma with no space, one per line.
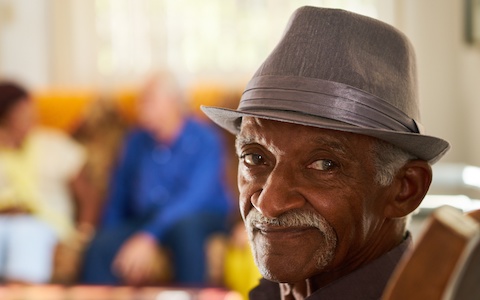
327,99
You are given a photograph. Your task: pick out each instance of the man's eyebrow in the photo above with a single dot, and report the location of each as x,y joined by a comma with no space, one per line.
337,144
242,140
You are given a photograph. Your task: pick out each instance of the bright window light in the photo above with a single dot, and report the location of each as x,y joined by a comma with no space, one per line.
471,176
230,38
460,202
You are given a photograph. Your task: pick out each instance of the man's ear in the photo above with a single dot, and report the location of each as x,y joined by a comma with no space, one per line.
410,186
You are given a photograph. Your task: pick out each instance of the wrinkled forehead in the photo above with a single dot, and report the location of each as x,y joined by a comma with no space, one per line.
267,132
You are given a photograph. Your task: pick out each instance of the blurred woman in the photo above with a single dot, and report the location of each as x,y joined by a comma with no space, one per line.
38,168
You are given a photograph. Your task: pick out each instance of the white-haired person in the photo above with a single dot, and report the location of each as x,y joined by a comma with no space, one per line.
167,195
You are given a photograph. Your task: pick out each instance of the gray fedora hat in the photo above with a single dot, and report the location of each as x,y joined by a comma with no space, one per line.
338,70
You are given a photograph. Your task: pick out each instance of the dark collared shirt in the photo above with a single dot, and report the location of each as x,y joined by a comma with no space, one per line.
365,283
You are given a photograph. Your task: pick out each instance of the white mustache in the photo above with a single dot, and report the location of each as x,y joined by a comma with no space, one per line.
294,218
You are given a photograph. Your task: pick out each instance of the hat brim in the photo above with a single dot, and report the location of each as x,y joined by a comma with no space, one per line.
424,147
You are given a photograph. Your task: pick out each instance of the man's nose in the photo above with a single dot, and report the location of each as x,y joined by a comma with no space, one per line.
279,194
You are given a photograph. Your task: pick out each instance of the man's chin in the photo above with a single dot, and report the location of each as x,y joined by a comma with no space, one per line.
284,278
287,273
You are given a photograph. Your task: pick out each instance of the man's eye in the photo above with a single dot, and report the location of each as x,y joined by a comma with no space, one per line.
253,159
323,165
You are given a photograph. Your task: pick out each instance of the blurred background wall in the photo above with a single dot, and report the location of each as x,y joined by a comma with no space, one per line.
110,44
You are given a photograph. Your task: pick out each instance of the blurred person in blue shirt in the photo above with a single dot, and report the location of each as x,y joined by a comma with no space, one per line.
168,193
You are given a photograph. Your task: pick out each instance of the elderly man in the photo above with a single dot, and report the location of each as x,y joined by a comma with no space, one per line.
333,158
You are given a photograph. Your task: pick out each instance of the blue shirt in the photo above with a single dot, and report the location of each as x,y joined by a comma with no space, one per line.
164,183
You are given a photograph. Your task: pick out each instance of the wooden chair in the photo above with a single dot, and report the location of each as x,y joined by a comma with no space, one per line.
444,262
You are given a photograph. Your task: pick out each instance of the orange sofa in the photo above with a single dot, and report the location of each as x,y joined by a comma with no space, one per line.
64,108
